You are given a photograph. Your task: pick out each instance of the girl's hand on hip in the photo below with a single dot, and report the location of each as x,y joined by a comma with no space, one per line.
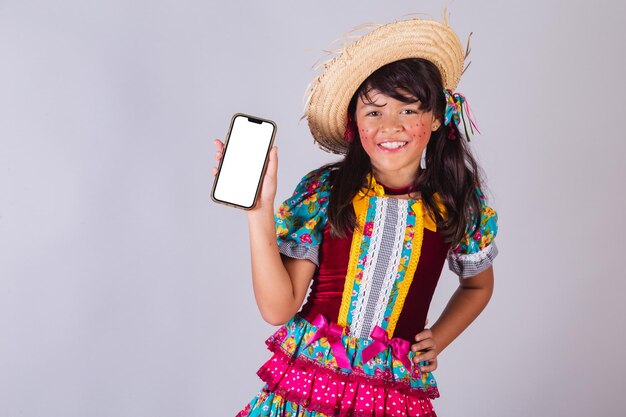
427,348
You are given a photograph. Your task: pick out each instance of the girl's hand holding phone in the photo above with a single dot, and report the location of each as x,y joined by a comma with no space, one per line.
268,187
243,159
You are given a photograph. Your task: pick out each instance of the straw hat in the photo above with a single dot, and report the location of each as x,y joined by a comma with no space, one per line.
331,91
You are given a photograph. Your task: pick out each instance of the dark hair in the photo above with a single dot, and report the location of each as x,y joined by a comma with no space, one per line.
451,170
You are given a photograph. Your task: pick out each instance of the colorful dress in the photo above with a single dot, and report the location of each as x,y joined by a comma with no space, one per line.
347,351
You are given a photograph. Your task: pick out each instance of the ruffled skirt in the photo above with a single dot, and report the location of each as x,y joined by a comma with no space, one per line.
303,379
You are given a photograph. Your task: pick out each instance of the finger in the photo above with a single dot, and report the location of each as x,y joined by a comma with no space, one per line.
425,356
427,344
432,365
420,357
272,164
219,152
214,171
424,334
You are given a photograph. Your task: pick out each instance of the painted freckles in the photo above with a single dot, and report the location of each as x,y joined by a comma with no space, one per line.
393,134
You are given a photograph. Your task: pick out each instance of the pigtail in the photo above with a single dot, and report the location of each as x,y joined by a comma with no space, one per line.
452,176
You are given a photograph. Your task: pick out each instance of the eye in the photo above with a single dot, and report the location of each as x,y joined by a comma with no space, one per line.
410,111
373,113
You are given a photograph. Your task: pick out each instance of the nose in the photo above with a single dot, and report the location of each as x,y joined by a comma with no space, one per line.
391,124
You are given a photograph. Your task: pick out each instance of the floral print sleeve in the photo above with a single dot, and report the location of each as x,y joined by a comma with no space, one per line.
301,218
476,252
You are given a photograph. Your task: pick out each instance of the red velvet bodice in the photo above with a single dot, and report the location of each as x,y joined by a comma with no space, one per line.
328,282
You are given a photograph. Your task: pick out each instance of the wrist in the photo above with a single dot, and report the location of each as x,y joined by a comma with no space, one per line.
261,215
440,340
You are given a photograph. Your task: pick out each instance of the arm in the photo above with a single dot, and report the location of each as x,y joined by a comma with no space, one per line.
464,306
475,252
280,283
467,302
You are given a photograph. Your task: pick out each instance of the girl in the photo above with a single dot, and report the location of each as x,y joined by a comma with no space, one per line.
372,233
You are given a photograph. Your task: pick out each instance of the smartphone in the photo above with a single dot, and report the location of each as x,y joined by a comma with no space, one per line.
240,172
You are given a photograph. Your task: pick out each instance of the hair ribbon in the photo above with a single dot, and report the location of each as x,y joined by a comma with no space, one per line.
455,102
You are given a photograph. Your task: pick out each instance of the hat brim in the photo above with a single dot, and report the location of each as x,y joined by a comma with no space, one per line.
332,91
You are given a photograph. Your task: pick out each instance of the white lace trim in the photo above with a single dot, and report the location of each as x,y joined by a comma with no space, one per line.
392,267
358,314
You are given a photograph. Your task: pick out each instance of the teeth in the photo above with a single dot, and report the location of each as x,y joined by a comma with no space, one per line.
392,145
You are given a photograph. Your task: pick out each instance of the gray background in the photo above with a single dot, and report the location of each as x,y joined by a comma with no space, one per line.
125,292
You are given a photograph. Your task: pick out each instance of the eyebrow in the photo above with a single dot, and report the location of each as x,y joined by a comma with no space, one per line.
383,105
374,105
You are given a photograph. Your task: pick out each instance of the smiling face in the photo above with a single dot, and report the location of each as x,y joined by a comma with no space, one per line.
393,134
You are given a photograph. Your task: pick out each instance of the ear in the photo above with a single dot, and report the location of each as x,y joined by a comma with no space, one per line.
436,123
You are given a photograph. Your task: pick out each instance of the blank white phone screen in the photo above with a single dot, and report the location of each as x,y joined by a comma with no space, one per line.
243,161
